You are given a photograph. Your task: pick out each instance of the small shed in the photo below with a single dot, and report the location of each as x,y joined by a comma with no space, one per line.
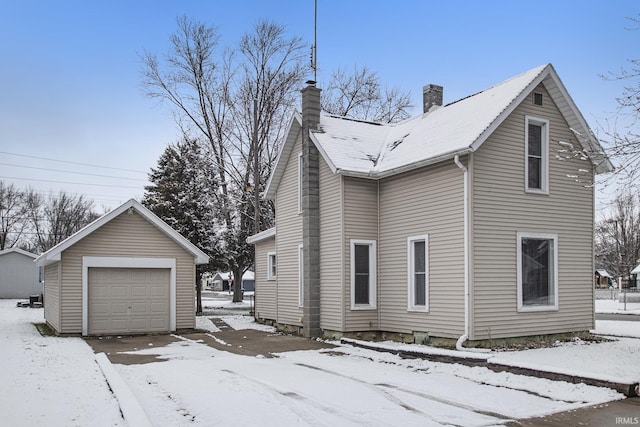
128,272
634,280
19,276
221,281
602,278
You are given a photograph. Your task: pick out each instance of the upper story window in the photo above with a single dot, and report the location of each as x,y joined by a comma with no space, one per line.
271,266
363,274
537,271
537,155
418,272
537,98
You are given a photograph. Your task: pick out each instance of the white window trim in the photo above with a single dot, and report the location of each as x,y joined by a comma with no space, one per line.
300,181
544,152
300,275
549,236
411,306
270,266
372,275
121,262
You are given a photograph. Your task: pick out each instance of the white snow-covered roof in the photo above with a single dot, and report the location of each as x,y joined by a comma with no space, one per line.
603,273
54,254
636,270
375,150
18,251
263,235
221,275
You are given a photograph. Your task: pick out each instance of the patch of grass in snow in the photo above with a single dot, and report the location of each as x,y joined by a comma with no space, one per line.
44,329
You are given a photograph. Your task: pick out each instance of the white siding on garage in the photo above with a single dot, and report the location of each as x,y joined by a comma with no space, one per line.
52,295
502,208
128,236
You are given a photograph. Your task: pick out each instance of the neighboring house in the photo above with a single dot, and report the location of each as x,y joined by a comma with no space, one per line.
471,221
127,272
220,281
19,276
602,278
633,280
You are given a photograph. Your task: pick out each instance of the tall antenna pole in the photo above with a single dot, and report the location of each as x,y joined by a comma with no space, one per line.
314,53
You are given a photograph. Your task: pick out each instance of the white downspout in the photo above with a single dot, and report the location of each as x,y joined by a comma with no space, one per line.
465,335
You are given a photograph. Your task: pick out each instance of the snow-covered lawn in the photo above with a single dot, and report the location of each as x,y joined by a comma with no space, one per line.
57,382
49,381
615,307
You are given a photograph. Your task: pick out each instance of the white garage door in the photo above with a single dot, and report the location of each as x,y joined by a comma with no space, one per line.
128,300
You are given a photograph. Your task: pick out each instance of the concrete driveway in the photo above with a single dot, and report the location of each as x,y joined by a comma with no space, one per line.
247,342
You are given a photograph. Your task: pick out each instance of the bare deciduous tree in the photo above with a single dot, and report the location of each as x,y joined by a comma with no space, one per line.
13,221
237,104
618,236
361,95
622,133
57,217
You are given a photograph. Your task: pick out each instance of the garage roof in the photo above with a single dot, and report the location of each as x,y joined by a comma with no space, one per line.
54,254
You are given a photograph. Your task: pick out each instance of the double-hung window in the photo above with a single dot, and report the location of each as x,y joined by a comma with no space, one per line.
537,155
537,271
271,266
363,274
418,272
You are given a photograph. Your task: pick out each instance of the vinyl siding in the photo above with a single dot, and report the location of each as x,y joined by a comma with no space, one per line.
125,236
502,208
288,237
266,291
360,201
52,295
331,255
426,201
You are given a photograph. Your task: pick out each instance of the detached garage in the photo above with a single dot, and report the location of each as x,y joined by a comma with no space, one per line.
126,273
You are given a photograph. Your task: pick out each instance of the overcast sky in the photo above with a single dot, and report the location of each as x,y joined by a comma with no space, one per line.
70,70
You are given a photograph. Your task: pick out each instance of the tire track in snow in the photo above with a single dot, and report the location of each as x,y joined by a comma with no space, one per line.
380,388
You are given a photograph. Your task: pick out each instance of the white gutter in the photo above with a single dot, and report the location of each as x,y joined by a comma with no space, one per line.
465,336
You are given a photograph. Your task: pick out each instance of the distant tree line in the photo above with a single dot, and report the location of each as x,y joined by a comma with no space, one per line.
33,222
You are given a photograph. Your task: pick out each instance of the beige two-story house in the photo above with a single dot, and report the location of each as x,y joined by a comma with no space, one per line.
473,221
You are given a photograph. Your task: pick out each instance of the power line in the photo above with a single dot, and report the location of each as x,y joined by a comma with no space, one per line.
77,173
72,163
67,182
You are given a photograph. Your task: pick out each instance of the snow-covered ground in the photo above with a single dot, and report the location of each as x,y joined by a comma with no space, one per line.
615,307
56,381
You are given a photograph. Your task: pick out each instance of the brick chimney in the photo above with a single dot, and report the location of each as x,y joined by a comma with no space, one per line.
431,95
310,212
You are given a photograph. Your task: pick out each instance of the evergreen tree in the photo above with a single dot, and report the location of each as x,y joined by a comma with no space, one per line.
183,195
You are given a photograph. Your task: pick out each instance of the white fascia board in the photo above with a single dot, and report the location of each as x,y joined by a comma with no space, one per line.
263,235
283,157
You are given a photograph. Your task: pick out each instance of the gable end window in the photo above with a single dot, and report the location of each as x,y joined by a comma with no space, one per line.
418,272
536,155
271,266
363,274
537,271
537,98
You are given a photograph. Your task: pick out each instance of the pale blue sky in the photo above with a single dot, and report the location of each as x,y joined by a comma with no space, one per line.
70,70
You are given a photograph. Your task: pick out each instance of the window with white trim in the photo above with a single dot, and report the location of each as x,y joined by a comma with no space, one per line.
300,181
271,266
300,275
537,271
418,272
363,274
536,155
